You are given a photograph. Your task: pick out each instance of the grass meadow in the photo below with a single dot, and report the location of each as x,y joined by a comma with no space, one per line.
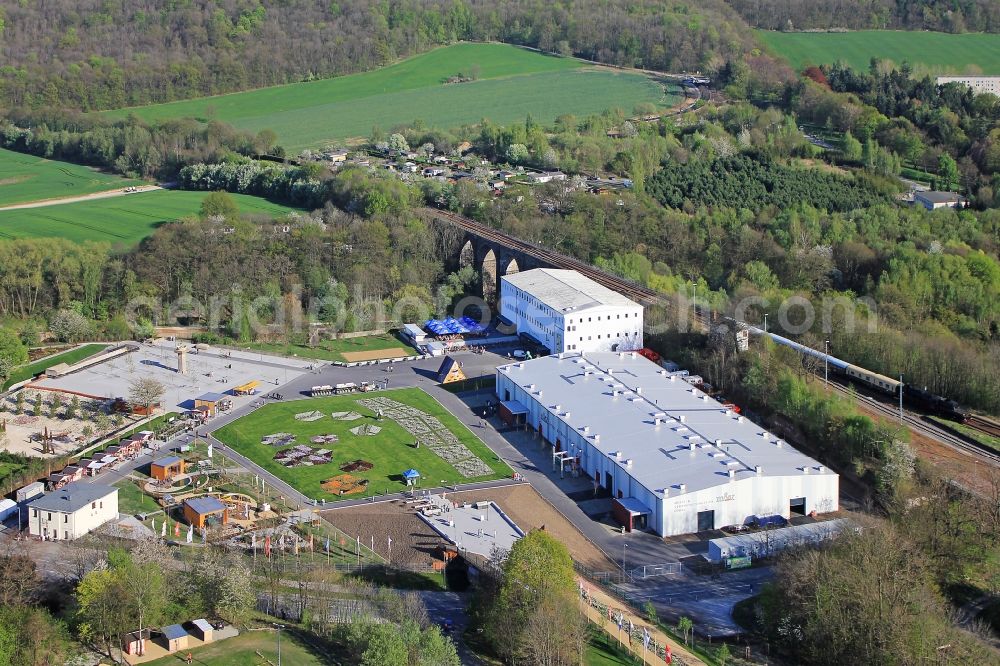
124,220
933,52
511,83
70,357
333,350
25,178
391,451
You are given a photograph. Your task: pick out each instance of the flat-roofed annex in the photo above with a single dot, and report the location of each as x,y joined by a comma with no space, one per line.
631,409
566,290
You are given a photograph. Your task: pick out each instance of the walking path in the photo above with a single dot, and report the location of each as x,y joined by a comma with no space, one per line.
120,192
596,603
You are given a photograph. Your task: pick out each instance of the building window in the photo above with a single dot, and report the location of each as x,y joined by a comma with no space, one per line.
65,517
101,504
34,513
49,516
93,505
66,536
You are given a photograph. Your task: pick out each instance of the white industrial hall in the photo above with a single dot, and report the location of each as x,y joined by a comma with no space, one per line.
674,460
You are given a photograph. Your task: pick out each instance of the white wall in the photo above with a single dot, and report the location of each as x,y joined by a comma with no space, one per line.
600,328
60,526
733,502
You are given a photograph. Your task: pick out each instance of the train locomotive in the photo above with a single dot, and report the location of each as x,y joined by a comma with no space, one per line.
916,397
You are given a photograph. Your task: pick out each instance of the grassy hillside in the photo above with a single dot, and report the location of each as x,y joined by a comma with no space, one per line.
511,82
121,220
933,51
25,178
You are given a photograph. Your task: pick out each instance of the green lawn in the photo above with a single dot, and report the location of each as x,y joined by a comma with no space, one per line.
242,651
332,350
603,651
132,500
978,435
934,51
391,451
9,469
512,83
26,178
70,357
122,220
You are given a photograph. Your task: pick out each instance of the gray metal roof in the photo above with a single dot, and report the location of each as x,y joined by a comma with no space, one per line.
174,631
620,396
935,196
204,505
73,497
165,462
566,291
212,397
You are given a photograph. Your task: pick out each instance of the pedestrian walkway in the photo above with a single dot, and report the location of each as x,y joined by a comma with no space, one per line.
634,633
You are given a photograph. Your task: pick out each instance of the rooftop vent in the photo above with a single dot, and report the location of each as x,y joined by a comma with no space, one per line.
638,390
718,442
779,442
690,446
673,378
758,469
663,373
805,470
585,429
618,455
821,469
683,487
682,418
566,415
611,371
628,463
631,354
732,474
597,438
739,419
705,398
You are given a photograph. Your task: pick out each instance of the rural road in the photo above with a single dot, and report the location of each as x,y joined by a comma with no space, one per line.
120,192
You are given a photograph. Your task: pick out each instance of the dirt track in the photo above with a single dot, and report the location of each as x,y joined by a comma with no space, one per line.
118,192
413,542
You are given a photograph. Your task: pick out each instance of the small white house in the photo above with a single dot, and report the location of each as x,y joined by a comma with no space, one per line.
547,176
75,510
932,200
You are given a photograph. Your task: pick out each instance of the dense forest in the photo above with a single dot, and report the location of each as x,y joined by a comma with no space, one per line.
941,15
96,54
740,181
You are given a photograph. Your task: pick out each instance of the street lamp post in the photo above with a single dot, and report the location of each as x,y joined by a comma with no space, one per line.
624,546
765,321
826,363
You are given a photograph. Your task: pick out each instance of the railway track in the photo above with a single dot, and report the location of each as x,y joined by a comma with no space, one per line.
557,260
983,425
648,296
920,424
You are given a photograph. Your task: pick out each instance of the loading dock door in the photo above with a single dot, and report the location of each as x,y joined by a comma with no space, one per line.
608,482
706,521
797,505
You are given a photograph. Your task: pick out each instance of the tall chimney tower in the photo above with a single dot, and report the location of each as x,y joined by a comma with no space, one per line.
182,363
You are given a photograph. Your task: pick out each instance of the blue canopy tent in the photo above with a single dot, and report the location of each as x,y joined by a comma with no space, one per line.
410,476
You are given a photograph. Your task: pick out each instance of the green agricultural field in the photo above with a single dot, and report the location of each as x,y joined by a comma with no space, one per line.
391,451
935,52
25,178
124,220
511,84
70,357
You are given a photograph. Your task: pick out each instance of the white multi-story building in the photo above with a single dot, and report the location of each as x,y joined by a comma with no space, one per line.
980,84
673,459
566,311
69,513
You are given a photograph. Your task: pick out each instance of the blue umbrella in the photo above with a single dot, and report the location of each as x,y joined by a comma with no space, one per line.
411,474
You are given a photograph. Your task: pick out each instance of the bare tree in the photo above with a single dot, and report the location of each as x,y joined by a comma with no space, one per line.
146,392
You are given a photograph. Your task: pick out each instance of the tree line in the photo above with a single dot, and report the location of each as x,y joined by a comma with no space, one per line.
99,55
953,16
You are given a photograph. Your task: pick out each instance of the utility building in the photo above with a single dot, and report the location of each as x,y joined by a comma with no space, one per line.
567,311
673,459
